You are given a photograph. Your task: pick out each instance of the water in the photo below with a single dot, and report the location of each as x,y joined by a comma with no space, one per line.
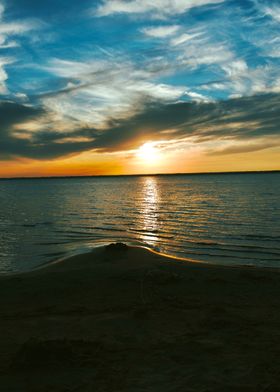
224,219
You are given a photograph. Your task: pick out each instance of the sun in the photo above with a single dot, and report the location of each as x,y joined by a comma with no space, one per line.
148,153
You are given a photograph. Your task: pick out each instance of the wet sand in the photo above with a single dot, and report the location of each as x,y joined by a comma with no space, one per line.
126,319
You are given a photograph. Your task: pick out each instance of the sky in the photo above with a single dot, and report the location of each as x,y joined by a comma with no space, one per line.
139,86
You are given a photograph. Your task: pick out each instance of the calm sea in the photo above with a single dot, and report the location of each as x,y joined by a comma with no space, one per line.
224,219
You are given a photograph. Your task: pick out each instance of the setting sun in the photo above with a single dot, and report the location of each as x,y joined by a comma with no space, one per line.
148,152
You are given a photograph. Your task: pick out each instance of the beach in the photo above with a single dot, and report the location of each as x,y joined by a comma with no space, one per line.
127,319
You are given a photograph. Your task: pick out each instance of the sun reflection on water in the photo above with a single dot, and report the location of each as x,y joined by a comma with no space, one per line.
149,207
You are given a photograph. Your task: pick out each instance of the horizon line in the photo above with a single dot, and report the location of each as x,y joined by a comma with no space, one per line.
138,175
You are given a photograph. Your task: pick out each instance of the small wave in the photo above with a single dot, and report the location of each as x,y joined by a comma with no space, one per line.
184,215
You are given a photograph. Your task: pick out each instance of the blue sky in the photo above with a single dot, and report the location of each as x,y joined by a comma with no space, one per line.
74,75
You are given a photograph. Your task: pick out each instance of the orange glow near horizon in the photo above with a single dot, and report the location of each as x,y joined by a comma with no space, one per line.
148,159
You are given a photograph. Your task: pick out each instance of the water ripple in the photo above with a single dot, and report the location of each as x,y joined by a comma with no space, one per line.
209,218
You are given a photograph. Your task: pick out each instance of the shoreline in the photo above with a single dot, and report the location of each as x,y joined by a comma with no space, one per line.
127,319
165,256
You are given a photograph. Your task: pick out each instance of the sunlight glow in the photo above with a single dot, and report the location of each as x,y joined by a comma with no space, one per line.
148,153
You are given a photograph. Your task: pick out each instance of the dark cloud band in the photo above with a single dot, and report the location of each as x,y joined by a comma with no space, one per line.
247,119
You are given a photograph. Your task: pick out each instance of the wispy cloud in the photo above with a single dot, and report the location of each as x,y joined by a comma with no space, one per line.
245,147
157,8
183,38
273,11
3,74
248,81
160,31
207,54
98,90
264,26
15,28
10,29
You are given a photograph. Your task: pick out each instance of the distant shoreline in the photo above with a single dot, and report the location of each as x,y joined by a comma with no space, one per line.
139,175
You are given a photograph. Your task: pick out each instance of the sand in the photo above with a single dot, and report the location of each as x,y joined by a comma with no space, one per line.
126,319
